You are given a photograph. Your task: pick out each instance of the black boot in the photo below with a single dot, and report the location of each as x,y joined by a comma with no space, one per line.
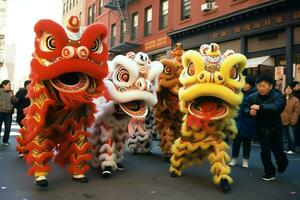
225,185
173,174
120,167
83,179
42,183
167,158
106,172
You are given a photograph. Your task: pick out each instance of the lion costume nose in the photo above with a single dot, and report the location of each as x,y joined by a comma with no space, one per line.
211,77
69,52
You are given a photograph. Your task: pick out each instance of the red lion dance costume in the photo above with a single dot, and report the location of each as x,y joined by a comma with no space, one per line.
67,69
166,112
209,97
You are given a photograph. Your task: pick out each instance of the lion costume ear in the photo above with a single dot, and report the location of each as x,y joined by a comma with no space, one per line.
93,38
50,39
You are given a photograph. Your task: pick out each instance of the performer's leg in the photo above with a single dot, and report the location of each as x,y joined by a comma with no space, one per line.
39,154
107,151
177,159
79,155
219,159
120,141
167,140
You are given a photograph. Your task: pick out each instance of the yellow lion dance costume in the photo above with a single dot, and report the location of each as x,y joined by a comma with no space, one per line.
166,112
209,97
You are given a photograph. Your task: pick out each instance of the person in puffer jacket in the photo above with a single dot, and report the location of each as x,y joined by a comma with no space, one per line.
289,118
265,106
7,100
246,128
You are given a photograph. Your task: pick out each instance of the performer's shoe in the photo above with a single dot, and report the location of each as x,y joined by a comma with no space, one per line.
106,172
120,167
167,158
80,178
173,174
282,166
41,181
225,185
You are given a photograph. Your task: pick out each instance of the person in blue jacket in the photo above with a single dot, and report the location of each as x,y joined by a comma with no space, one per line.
265,106
246,128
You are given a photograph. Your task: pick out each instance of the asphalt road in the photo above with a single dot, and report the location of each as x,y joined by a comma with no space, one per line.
146,177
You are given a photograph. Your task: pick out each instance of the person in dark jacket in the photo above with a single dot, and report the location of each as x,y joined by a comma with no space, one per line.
246,128
23,102
7,100
266,106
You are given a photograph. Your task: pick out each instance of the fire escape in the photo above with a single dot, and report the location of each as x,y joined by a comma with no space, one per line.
125,41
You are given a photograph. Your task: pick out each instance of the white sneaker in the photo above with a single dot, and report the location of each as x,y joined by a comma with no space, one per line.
290,152
232,162
245,163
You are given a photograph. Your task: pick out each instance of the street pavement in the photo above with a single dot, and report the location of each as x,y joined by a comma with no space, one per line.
146,177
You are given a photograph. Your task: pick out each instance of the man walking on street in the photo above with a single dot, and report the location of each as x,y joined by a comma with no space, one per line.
266,106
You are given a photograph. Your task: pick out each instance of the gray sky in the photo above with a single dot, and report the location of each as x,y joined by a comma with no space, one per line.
21,17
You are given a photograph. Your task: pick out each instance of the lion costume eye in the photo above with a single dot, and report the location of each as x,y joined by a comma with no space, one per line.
234,73
167,70
97,46
191,69
47,43
50,42
122,75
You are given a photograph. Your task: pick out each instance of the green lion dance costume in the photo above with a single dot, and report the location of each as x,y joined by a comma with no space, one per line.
209,97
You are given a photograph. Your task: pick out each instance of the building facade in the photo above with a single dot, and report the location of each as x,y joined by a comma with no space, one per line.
73,7
3,13
266,31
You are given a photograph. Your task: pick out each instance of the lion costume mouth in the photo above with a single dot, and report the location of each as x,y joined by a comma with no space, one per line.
71,82
135,109
209,108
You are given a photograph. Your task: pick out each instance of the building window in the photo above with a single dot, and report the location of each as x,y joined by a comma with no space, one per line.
122,31
67,6
76,1
64,11
80,16
70,4
91,17
100,7
113,35
73,3
148,20
185,9
135,22
163,14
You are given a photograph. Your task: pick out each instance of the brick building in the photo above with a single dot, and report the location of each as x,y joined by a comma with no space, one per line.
266,31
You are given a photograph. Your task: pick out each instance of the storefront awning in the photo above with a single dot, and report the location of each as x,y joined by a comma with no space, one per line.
264,60
124,47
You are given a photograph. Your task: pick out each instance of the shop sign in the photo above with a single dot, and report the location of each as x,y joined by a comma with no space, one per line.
261,24
156,43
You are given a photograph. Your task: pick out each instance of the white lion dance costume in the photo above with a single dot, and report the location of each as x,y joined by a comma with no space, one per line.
131,84
209,97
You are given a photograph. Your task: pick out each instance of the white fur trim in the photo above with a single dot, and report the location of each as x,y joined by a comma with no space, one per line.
123,97
155,69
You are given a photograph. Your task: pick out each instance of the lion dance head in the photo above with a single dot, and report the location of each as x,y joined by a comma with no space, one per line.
209,98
